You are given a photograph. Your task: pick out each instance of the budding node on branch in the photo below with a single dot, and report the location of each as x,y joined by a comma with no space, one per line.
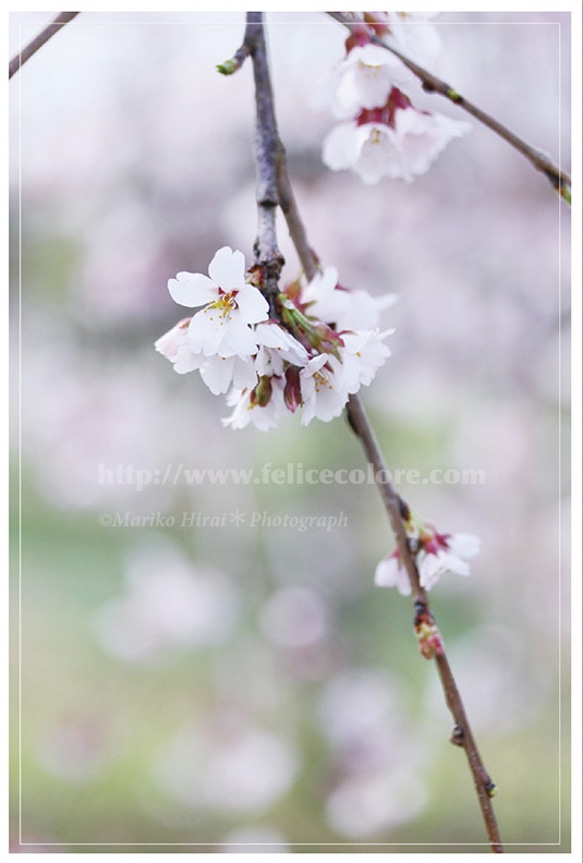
457,735
491,789
228,67
427,632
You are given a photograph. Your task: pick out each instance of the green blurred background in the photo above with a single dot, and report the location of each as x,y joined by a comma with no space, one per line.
209,688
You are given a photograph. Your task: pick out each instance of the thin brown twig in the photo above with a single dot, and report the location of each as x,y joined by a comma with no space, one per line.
49,31
275,153
268,257
432,84
463,735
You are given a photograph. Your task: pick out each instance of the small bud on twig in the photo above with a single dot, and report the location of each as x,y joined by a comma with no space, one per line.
228,67
457,735
427,632
491,789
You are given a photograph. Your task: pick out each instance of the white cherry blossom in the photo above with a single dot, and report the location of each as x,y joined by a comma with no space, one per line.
365,76
346,308
247,411
415,36
325,348
276,346
363,79
363,354
391,573
438,554
464,545
223,327
175,346
404,149
446,554
226,273
433,566
324,392
219,373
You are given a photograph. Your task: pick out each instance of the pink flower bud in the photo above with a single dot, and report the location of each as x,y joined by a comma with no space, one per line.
292,394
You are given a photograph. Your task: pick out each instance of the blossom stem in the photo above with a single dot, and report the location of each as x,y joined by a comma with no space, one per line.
272,150
49,31
432,84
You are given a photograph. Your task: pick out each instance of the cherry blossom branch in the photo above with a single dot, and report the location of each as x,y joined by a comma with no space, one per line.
432,84
396,508
49,31
271,163
267,148
268,257
425,625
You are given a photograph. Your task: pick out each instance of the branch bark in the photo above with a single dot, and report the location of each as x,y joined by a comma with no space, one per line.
49,31
268,257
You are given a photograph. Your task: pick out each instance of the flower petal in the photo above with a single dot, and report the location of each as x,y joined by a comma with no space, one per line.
252,305
236,338
464,545
263,418
205,333
217,373
187,361
379,155
341,147
430,569
192,289
433,566
285,346
227,269
244,374
390,573
170,343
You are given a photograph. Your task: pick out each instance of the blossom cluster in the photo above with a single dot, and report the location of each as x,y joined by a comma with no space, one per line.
435,554
324,345
382,134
